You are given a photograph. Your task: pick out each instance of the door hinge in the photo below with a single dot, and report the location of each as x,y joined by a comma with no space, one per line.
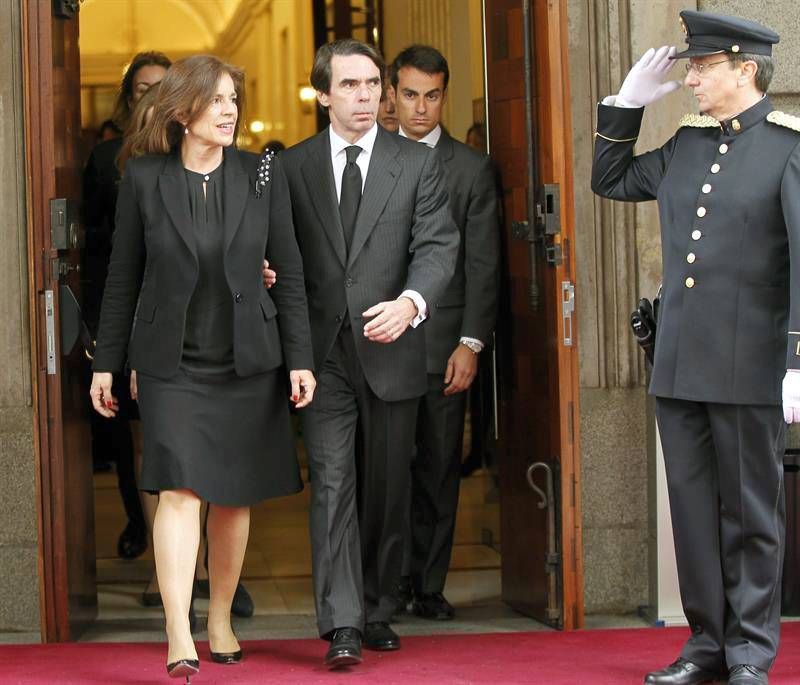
567,309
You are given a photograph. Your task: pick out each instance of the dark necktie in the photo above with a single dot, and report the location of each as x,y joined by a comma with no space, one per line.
350,198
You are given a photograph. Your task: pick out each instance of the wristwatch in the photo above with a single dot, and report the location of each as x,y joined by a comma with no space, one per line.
474,347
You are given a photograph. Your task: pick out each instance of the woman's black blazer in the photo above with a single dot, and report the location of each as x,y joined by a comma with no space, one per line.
154,269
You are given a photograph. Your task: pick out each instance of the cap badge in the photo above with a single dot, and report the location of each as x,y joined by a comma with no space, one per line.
735,48
683,26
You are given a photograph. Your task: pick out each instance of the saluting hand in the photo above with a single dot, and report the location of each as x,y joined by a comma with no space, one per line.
391,319
645,83
303,385
791,396
103,401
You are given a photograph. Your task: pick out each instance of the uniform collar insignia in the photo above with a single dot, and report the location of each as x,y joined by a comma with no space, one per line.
783,119
698,121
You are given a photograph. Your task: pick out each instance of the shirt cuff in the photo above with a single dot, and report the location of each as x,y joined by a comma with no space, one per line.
422,308
467,339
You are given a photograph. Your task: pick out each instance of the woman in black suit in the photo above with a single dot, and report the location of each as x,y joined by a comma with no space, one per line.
185,302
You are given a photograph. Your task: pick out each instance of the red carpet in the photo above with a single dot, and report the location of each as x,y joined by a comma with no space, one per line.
593,657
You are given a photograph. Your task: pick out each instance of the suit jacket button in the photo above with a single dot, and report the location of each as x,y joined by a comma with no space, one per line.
338,318
348,282
237,297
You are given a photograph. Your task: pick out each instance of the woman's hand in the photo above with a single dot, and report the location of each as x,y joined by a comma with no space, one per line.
303,384
103,401
134,387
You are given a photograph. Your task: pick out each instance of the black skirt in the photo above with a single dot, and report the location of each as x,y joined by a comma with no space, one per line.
228,439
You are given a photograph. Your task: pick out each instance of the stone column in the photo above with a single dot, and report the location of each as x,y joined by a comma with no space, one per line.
19,580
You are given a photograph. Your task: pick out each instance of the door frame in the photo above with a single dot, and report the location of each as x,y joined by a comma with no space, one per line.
555,165
57,611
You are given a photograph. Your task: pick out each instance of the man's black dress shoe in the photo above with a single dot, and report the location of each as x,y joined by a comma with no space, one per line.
681,672
402,596
744,674
378,635
132,542
242,605
434,606
345,649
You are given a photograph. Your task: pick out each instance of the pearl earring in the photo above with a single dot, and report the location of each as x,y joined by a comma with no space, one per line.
186,130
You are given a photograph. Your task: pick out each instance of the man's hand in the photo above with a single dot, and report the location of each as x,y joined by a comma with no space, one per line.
103,401
645,83
791,396
268,275
461,370
391,319
303,385
134,386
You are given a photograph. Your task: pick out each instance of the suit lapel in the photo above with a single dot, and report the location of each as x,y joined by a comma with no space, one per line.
317,170
235,190
381,179
175,196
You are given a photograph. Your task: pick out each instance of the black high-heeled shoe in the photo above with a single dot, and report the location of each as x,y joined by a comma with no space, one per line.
226,657
183,668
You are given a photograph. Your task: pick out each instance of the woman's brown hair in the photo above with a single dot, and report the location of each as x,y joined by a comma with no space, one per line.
188,87
136,123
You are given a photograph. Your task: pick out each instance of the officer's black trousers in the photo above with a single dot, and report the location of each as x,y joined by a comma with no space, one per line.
724,465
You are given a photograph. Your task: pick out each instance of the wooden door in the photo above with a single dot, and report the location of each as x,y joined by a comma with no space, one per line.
68,595
542,573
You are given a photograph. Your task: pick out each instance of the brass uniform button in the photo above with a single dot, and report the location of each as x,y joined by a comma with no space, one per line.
689,282
690,258
701,212
723,148
706,188
715,168
696,235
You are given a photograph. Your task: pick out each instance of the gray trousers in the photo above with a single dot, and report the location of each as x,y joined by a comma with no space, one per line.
358,510
724,465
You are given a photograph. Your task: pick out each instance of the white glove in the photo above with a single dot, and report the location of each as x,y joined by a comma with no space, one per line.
791,396
645,83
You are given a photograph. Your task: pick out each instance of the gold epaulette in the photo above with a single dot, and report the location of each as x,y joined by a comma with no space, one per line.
698,121
783,119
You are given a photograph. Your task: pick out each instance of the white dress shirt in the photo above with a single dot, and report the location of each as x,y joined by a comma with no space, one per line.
339,161
431,139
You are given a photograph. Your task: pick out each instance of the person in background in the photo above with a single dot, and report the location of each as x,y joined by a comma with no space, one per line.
387,112
195,217
112,440
460,326
727,352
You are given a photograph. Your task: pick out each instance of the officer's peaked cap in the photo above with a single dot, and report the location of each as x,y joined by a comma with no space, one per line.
708,34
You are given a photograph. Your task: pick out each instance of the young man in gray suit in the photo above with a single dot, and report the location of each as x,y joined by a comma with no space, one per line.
379,247
460,325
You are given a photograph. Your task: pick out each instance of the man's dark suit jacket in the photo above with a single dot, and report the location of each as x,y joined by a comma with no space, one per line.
404,239
154,263
468,306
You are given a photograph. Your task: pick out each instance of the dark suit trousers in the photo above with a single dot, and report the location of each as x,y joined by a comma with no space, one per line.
435,477
358,511
724,465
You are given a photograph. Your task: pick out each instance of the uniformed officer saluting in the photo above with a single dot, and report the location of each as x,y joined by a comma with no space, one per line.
728,191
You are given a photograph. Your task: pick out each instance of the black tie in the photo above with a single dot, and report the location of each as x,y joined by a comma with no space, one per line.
350,197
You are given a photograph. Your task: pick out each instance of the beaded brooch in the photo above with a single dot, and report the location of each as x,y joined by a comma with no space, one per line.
262,175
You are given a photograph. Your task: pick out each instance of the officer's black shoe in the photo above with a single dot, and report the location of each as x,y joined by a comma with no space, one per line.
433,606
345,649
379,636
681,672
744,674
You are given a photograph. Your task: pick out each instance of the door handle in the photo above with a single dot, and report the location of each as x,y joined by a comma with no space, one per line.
552,558
547,498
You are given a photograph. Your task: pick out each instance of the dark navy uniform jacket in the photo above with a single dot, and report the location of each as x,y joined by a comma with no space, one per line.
729,202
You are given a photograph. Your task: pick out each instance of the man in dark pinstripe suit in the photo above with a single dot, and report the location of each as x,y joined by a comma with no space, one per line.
378,244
